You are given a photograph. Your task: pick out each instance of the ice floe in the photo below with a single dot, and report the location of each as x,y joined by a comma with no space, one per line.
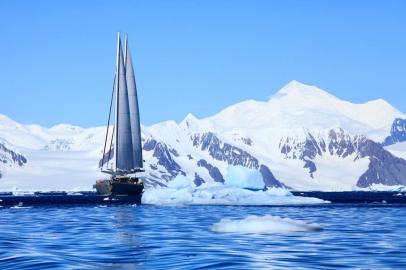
263,225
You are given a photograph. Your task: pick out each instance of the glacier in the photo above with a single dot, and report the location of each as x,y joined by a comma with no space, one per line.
302,138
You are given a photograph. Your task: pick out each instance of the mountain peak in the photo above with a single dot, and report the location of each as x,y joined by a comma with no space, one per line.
190,123
190,118
295,87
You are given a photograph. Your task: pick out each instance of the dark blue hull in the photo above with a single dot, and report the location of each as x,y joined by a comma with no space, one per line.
8,199
60,198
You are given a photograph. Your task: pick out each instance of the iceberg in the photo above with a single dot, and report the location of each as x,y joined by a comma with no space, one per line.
182,191
242,177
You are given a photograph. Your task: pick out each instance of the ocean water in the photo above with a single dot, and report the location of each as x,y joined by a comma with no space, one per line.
203,237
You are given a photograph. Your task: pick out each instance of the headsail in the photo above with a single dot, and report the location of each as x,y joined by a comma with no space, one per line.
134,110
123,140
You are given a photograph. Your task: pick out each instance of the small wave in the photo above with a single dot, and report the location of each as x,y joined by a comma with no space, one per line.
101,206
263,225
21,207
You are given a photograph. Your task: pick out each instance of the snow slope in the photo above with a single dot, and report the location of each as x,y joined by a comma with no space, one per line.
298,106
301,138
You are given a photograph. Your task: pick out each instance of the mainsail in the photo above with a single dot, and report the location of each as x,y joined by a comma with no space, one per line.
134,110
127,131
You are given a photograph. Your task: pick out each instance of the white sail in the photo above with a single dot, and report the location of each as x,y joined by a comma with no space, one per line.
134,110
124,148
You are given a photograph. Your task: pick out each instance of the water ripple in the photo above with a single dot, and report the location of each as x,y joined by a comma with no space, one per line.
153,237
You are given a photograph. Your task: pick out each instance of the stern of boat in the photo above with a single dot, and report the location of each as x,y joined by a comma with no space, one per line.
103,187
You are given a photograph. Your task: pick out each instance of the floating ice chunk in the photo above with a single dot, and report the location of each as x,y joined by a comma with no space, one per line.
17,192
182,191
263,225
238,176
380,187
20,206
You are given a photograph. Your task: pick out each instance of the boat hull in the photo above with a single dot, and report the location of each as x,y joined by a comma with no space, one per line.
123,188
118,188
50,199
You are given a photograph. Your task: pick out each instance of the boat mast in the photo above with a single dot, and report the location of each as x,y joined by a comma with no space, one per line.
116,107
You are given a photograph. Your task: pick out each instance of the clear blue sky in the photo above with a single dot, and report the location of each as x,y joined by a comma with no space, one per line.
57,57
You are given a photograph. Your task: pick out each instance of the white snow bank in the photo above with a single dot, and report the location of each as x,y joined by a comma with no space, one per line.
380,187
238,176
263,225
182,191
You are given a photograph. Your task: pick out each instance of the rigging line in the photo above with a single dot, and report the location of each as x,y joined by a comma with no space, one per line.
111,144
119,56
108,123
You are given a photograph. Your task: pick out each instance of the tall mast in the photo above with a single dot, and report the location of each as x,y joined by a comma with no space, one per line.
116,107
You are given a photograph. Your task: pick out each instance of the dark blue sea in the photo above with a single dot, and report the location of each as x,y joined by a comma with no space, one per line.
161,237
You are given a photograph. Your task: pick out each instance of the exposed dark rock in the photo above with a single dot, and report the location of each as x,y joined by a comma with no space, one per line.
9,156
341,144
286,148
189,157
162,153
269,178
174,152
198,180
214,172
153,167
152,181
311,166
149,144
247,141
310,148
59,145
384,168
224,151
167,177
338,143
397,132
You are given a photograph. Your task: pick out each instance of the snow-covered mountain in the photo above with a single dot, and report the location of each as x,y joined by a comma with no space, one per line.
302,138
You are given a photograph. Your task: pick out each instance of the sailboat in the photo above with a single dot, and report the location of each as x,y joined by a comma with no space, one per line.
122,155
